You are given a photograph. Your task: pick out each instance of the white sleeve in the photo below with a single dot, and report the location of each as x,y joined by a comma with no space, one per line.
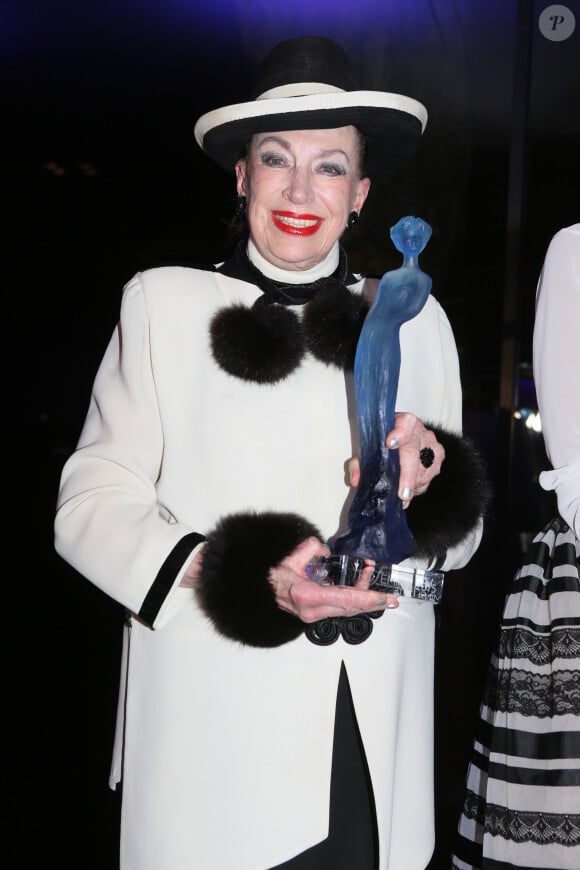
430,387
109,525
459,555
556,347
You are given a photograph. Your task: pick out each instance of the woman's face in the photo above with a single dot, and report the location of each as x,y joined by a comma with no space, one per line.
300,186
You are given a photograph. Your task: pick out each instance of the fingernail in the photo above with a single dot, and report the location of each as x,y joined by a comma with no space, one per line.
392,606
406,505
406,494
394,442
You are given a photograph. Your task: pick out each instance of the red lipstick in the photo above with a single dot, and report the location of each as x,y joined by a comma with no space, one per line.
297,224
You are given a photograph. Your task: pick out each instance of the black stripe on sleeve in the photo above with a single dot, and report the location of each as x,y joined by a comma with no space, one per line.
166,576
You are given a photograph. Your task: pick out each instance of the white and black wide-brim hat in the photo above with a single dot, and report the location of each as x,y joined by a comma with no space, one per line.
307,83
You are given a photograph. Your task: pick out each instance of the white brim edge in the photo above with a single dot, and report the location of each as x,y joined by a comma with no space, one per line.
311,102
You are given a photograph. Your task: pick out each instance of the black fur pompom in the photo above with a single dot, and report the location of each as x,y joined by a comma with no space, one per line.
262,344
332,324
234,589
455,500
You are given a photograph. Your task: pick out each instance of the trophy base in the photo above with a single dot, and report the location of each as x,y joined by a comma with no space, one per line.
394,579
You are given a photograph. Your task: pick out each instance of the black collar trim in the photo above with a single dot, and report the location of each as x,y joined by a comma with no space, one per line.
241,267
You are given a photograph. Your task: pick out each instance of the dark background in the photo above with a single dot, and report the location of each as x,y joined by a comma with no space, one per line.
102,177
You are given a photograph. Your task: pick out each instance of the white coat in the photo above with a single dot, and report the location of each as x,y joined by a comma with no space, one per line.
224,749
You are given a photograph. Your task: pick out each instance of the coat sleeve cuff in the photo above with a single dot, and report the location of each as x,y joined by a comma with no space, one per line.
166,576
455,501
234,589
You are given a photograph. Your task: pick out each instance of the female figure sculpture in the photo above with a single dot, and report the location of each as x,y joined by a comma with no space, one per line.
377,524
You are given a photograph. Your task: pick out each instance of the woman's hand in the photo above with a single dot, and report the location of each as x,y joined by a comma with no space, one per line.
296,593
192,574
410,436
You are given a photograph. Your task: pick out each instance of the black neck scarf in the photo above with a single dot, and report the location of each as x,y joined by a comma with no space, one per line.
267,342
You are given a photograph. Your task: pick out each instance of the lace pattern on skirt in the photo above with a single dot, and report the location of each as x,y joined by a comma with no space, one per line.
522,799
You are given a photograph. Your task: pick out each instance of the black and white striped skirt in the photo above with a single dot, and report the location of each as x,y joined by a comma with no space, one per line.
522,801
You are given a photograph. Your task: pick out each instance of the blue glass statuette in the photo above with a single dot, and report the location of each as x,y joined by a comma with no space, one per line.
377,524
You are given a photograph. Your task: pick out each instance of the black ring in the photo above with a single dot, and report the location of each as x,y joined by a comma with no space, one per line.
427,457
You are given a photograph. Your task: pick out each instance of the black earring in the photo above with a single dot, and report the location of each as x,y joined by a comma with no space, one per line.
352,220
240,206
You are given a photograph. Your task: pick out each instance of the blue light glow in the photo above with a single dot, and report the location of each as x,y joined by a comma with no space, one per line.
54,24
264,21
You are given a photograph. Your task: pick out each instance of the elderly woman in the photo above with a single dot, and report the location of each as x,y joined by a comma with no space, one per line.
211,469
